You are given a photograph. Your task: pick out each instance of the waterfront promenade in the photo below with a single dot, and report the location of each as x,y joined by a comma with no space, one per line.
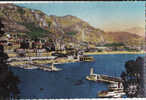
86,53
115,52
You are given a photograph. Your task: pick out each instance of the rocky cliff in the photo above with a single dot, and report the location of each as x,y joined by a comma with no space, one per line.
35,23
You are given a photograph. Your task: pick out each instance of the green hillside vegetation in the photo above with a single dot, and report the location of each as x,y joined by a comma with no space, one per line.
71,33
21,11
114,44
35,31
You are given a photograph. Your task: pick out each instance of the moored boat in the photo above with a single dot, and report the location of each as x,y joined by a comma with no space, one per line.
111,94
116,86
86,58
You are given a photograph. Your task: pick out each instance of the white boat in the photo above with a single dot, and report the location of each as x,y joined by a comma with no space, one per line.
111,94
116,90
116,86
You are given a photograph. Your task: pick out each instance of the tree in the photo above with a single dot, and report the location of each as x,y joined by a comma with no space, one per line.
133,77
8,81
1,28
130,66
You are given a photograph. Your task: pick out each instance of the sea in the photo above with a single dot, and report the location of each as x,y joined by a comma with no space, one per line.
71,82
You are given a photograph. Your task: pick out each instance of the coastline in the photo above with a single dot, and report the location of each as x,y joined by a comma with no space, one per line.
115,52
93,53
65,60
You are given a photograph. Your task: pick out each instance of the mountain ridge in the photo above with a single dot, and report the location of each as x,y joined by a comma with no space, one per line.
66,28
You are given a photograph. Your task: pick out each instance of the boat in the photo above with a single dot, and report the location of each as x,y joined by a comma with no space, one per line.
115,90
111,94
102,78
86,58
116,86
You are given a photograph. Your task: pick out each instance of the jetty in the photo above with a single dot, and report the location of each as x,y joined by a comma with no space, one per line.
30,58
102,78
51,68
34,65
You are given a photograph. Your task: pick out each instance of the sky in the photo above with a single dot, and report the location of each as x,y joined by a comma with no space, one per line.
109,16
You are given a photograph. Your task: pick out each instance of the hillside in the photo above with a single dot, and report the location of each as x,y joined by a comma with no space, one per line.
124,37
67,28
136,30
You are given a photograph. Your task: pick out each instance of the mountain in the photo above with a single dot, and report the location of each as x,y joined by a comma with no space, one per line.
136,30
36,24
12,26
77,28
68,27
125,37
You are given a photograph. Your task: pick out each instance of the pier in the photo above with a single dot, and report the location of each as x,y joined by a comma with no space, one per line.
32,65
30,58
43,67
47,68
102,78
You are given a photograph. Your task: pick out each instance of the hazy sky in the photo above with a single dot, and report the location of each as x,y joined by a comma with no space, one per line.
104,15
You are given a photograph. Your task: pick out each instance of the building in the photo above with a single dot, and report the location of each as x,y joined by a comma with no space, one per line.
102,48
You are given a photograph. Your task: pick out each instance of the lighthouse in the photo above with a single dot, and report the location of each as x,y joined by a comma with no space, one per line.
91,71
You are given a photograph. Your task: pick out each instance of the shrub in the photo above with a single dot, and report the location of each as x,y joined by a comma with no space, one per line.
71,33
35,31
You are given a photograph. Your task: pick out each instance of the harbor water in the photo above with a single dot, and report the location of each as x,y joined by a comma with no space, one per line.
70,82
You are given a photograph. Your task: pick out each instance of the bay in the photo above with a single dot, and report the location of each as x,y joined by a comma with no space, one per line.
37,83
